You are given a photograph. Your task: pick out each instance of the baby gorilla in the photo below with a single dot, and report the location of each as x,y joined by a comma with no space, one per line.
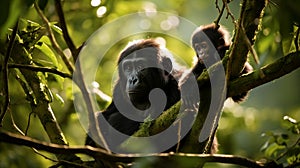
208,39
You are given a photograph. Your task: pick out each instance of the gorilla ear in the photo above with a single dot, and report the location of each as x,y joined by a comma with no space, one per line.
167,64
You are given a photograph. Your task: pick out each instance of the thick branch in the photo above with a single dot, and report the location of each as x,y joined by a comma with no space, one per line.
212,98
271,72
102,154
250,18
41,104
161,123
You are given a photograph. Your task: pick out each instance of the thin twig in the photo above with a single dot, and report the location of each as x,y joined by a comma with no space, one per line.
217,5
93,125
220,15
24,134
229,62
229,12
28,123
5,72
53,40
41,69
63,25
15,125
250,46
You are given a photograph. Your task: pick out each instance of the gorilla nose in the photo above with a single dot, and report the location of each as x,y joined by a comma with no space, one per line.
133,81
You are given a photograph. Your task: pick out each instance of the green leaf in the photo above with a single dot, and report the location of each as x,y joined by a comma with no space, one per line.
49,53
295,129
46,40
282,139
33,24
272,149
291,159
56,28
265,146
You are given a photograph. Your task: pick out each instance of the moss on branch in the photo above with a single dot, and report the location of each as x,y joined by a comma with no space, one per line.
248,24
277,69
41,104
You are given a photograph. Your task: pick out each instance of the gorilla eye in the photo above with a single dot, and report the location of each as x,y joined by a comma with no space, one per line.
203,45
139,66
127,67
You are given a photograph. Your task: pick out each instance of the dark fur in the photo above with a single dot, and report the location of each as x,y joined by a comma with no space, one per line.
219,37
170,88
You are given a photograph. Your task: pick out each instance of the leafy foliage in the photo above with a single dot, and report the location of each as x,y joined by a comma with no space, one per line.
284,147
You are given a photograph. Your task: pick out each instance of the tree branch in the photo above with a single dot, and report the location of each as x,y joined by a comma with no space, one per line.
41,69
4,74
103,154
41,103
63,25
220,13
271,72
250,18
244,83
94,128
229,13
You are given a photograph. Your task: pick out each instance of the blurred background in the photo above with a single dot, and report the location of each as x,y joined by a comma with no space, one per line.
241,126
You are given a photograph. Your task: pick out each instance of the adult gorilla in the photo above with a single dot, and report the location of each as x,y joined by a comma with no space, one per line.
143,66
